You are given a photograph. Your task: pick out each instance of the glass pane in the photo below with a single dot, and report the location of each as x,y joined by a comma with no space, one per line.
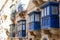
48,10
32,18
23,22
23,27
45,11
20,27
29,19
20,33
54,10
36,17
42,13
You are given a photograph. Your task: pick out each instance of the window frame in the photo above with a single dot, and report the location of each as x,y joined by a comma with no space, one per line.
45,12
37,17
32,18
54,10
19,28
42,13
48,10
23,27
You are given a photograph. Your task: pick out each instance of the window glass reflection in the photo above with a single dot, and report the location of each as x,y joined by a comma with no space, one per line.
48,10
32,18
54,10
36,17
23,27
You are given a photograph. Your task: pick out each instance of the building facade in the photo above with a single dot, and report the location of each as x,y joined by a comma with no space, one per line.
40,21
42,28
5,12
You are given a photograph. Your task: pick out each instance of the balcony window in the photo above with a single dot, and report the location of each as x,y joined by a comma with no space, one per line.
34,23
48,10
24,27
42,13
37,17
45,11
24,22
54,10
32,18
19,27
19,34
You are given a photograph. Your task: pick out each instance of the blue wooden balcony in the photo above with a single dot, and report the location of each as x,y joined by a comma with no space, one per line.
34,26
34,21
50,15
22,33
22,28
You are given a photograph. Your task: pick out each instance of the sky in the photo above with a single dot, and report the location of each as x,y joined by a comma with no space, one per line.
1,3
26,2
23,2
